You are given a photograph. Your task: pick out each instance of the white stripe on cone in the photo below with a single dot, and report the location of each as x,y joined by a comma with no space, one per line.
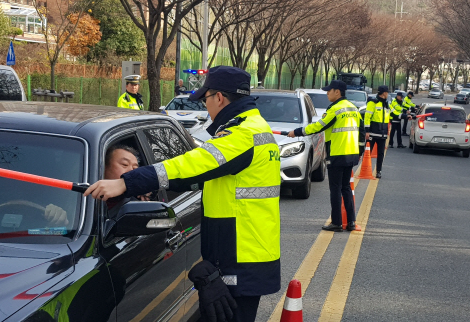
293,304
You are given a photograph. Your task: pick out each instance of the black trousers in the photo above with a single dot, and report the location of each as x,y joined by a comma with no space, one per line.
340,188
396,127
380,150
246,310
405,123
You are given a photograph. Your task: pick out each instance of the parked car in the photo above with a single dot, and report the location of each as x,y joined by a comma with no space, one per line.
462,97
132,265
190,114
302,158
11,88
319,99
465,90
448,128
358,98
435,93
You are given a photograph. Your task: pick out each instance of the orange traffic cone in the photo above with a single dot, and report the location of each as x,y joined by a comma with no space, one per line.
344,214
292,311
373,155
366,166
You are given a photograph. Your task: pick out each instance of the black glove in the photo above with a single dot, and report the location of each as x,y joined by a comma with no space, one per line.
215,301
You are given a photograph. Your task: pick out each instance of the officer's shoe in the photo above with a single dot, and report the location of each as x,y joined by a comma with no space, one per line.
404,134
401,146
351,226
390,146
378,175
333,227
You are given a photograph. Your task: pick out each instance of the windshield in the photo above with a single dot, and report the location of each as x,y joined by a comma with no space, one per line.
319,100
178,104
32,213
274,108
449,116
351,80
435,90
356,96
465,90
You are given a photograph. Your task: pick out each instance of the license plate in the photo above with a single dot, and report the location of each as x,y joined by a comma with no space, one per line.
443,140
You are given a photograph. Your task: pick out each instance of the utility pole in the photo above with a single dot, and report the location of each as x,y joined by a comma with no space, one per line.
205,31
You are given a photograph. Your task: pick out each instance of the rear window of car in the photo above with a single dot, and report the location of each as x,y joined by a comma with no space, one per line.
10,88
445,115
277,108
180,104
356,96
319,100
435,90
32,213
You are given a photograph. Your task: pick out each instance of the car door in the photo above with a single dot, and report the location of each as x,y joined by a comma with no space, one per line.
148,272
187,205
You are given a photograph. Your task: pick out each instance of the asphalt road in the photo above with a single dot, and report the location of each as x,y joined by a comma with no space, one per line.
410,263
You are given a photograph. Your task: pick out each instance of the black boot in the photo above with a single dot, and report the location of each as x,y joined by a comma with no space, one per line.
333,227
378,175
351,226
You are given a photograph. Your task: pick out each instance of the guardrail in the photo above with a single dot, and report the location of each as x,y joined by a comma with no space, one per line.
45,93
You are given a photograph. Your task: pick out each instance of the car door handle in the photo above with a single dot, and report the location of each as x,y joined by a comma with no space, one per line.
172,241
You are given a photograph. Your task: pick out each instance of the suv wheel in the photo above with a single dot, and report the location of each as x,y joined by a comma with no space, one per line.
303,191
466,153
415,148
318,175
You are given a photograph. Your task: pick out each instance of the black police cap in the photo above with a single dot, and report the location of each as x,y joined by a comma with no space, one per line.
400,94
335,84
382,89
411,93
225,79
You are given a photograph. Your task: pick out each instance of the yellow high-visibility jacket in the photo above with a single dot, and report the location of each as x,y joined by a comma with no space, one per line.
377,118
127,101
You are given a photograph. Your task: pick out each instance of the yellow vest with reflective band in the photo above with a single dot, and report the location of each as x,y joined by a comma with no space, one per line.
343,134
407,103
241,223
377,118
395,107
127,101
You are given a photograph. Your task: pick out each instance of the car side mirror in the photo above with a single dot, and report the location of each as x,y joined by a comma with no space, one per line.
162,108
201,118
137,218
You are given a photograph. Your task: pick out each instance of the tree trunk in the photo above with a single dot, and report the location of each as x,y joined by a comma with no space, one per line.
153,76
292,76
261,66
407,79
279,75
303,75
53,75
315,72
431,76
372,75
418,80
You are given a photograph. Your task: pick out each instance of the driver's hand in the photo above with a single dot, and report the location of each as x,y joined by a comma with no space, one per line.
145,197
291,134
105,189
56,215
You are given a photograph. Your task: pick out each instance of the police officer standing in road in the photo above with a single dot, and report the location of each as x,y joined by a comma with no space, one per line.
341,125
376,122
408,105
240,169
131,98
397,114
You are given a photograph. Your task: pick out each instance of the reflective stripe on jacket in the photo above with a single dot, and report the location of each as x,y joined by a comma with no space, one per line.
377,118
240,168
341,124
396,110
127,101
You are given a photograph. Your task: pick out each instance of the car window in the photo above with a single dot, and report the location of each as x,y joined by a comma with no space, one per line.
32,213
277,108
165,144
445,115
435,90
319,100
10,88
356,96
179,104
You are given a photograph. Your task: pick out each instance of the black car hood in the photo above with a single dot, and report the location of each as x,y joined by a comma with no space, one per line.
28,272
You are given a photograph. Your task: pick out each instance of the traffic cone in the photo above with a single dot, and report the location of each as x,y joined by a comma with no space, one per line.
366,166
292,311
344,214
373,155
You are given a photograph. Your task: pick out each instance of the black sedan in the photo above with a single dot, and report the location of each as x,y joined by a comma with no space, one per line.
94,264
462,97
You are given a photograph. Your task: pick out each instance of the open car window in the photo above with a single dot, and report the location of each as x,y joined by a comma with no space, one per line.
32,213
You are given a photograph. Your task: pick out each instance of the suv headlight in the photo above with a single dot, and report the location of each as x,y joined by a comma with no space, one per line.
288,150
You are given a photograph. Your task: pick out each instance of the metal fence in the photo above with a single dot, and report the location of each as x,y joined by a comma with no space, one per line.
98,91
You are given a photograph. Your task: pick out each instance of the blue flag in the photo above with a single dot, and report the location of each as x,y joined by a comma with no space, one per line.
11,55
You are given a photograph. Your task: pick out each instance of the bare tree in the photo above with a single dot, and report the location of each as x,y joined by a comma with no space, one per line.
157,19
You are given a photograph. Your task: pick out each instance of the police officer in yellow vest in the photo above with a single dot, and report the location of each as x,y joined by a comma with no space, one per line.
131,98
341,125
397,113
240,170
376,122
408,105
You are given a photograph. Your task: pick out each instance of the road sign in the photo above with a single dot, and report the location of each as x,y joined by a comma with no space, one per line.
11,55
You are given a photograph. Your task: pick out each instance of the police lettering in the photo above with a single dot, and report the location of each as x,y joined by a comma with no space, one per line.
351,114
275,155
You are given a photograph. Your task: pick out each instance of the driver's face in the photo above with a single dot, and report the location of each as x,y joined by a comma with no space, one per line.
121,162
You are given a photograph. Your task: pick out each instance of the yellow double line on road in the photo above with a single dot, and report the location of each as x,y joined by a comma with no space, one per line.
335,302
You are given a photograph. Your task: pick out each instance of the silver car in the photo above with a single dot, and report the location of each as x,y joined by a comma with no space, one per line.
446,129
435,93
302,158
190,114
